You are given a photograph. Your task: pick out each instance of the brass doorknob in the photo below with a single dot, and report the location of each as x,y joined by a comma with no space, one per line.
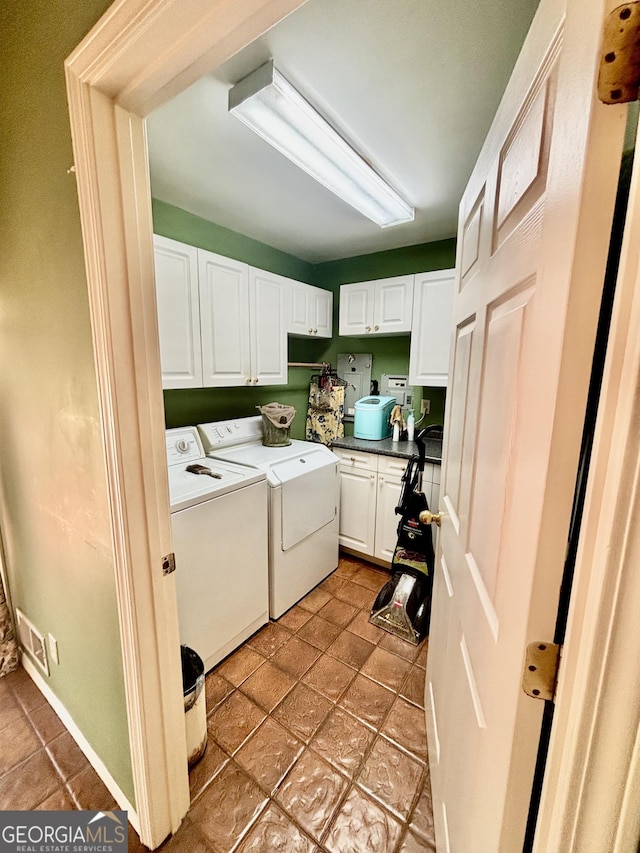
427,517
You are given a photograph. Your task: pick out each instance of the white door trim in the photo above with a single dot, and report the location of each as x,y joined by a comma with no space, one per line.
129,63
592,781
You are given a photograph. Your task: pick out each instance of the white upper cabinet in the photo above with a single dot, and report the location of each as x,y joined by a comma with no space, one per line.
176,268
224,318
310,310
221,322
267,328
381,307
432,328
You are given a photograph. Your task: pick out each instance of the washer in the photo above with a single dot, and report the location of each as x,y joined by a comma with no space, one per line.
219,526
304,496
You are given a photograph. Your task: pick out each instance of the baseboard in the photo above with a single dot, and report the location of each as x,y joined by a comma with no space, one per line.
92,757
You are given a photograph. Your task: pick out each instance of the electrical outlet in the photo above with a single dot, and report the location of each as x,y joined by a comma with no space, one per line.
53,648
425,407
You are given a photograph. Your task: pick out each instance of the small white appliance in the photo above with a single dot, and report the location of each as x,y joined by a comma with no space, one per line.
304,495
219,525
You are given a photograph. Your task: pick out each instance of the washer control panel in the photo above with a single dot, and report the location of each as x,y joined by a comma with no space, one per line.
183,445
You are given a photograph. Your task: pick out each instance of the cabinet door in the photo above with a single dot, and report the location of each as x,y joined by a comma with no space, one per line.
389,488
298,314
357,509
432,328
176,272
321,312
393,305
309,311
268,330
356,308
224,320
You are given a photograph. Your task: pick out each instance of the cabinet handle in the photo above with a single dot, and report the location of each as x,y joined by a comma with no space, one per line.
310,331
255,381
352,458
367,328
315,331
376,328
248,381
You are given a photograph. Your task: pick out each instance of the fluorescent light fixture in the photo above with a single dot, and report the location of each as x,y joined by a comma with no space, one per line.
270,106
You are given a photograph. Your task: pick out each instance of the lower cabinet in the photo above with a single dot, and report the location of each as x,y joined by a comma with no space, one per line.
370,488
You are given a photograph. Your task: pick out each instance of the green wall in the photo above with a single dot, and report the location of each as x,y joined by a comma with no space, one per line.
54,508
390,354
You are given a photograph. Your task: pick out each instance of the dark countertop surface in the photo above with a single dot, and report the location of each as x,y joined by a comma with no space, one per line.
387,447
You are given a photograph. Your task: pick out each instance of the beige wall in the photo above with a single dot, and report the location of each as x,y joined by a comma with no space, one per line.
53,497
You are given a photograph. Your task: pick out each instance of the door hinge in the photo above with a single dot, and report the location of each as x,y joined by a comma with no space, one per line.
169,564
619,76
541,664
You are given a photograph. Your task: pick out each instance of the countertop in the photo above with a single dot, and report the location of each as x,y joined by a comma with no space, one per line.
387,447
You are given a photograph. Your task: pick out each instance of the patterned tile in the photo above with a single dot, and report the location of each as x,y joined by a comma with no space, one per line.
330,677
311,793
361,826
303,711
367,700
406,726
89,791
373,579
391,777
338,612
27,785
227,808
319,632
351,649
216,688
275,832
238,666
355,594
316,599
343,741
413,687
233,721
296,656
361,626
67,756
269,639
268,754
268,686
399,647
422,817
207,768
386,668
412,844
294,618
17,742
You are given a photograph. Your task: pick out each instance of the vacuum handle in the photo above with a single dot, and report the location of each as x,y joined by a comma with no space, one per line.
421,449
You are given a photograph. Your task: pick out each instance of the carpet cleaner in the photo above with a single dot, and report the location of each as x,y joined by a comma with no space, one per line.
403,605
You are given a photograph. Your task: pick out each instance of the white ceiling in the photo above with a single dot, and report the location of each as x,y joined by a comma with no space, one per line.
412,84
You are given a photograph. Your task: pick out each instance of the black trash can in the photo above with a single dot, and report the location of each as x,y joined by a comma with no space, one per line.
195,707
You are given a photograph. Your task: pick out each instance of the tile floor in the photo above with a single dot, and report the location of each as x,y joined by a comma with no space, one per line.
316,739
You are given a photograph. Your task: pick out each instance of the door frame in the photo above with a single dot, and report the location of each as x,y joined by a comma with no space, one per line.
130,63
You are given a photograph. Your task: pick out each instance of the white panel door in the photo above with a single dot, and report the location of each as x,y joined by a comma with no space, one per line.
322,312
431,328
268,328
389,489
176,274
224,320
532,243
356,308
357,505
393,305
